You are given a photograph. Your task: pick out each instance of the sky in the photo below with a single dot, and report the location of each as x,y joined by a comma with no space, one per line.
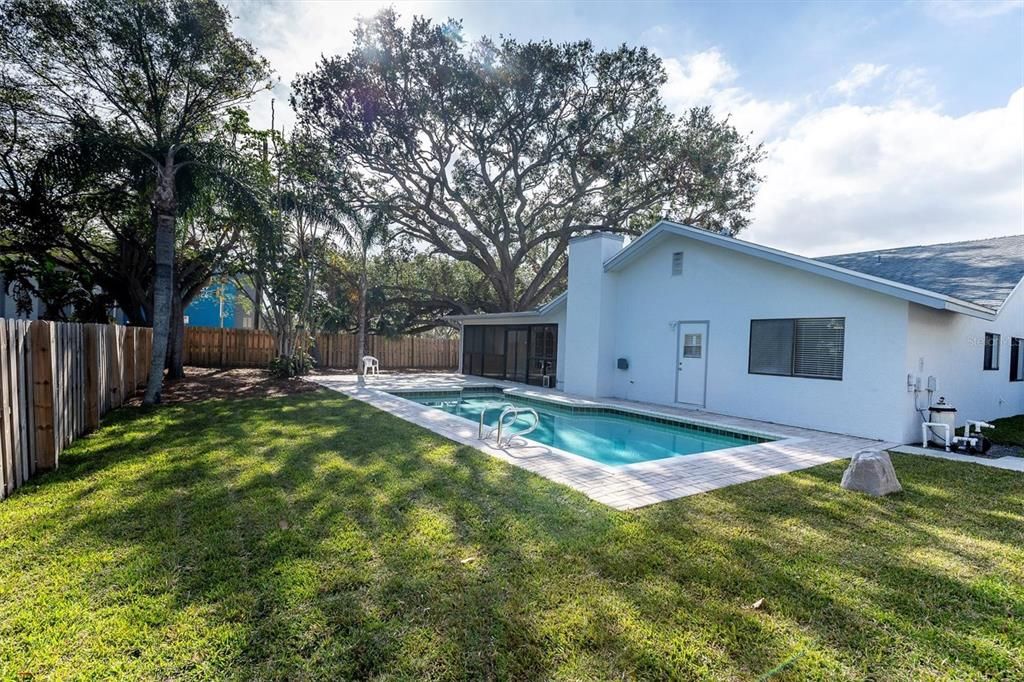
886,124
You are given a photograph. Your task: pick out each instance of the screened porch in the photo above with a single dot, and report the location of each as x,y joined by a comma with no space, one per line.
525,353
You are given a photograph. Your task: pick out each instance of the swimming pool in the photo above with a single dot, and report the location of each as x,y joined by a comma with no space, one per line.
602,434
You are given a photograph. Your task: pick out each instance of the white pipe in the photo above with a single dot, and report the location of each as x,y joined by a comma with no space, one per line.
931,425
977,425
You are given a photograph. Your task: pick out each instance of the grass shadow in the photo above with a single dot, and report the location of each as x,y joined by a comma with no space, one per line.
313,536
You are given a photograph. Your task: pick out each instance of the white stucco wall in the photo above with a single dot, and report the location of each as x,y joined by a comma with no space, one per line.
591,320
629,314
950,347
729,289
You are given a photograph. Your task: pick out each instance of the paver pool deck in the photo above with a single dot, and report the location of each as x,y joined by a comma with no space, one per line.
621,487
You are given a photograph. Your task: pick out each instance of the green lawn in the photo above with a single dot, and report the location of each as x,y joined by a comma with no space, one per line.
1008,431
315,537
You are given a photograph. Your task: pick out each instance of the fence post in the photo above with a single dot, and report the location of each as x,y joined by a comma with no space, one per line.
136,364
187,351
114,361
141,340
93,402
43,394
7,464
23,353
59,382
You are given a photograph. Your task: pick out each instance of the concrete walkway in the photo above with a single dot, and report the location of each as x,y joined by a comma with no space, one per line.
1009,463
621,487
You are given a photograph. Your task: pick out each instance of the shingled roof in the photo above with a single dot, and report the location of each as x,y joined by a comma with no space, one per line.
984,271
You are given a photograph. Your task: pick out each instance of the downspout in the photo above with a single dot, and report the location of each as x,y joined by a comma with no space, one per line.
462,340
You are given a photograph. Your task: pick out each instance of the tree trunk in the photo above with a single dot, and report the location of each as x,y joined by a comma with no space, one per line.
176,341
258,304
505,288
163,278
361,344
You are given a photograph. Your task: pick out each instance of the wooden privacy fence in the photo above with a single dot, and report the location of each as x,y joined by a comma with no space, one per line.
56,380
214,347
341,351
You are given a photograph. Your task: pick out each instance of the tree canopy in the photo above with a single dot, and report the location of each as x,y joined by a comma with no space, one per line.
497,153
427,175
154,79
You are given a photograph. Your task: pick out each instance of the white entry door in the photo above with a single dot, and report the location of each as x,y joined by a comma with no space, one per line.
692,363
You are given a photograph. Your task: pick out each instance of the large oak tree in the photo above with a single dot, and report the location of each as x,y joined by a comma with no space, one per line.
498,153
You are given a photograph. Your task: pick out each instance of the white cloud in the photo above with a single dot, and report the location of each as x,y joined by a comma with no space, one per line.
707,79
697,77
294,35
839,177
860,76
953,11
842,177
912,84
848,178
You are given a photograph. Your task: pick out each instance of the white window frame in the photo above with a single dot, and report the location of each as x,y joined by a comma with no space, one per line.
795,340
990,361
692,342
1016,358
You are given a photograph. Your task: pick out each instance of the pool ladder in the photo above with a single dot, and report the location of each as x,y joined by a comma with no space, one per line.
506,410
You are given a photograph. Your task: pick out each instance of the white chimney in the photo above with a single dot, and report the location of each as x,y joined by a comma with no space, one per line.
590,333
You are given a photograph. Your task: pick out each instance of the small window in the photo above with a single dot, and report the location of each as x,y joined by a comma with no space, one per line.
677,263
1016,359
808,347
692,345
991,351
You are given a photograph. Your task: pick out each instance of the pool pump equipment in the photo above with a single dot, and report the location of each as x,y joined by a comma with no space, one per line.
974,443
940,429
941,425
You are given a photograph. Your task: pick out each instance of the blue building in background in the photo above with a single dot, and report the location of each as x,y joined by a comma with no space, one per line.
218,305
221,304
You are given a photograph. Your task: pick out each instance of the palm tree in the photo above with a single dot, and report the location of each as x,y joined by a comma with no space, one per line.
366,229
154,79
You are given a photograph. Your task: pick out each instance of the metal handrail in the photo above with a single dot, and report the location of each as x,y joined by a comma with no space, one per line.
480,431
514,411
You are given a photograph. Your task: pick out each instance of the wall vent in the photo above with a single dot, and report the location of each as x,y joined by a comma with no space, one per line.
677,263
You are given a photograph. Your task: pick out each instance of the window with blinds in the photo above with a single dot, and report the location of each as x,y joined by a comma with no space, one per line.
692,345
802,347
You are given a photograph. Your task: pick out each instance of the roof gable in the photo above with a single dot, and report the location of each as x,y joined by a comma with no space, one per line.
931,299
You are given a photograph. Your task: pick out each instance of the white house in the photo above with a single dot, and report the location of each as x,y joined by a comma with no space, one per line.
850,344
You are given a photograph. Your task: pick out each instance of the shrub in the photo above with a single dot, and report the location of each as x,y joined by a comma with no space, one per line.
288,366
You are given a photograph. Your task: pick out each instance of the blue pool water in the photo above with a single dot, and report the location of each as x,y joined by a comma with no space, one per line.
603,435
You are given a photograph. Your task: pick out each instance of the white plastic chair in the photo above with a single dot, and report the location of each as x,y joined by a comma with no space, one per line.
370,364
